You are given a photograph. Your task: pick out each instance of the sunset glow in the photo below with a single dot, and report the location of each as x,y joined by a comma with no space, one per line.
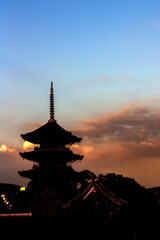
4,148
27,145
85,149
103,59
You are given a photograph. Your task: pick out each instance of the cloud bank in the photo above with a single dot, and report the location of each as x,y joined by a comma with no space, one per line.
11,163
126,142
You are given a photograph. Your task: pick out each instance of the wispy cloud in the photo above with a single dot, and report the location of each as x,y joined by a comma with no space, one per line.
135,122
112,78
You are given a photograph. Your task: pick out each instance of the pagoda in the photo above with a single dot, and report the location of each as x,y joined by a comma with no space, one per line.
51,155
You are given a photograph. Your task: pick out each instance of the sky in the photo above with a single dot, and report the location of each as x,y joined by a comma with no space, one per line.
103,58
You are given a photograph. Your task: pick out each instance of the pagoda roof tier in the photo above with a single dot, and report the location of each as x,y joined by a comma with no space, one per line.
51,134
51,156
43,173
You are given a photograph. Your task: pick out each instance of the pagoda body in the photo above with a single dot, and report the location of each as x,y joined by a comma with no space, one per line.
51,153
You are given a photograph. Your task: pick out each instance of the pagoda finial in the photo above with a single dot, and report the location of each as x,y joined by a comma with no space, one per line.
51,102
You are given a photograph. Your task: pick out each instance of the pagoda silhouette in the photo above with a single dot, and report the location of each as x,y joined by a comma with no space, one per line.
53,185
52,158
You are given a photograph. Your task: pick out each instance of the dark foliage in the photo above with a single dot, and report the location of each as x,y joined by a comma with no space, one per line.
8,188
138,220
128,189
141,216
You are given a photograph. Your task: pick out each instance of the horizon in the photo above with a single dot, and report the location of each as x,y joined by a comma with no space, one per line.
103,58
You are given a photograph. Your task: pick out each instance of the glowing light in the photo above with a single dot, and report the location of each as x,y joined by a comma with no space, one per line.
28,145
88,193
75,146
22,189
3,148
6,202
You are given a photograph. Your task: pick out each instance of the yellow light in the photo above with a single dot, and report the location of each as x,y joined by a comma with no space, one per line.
28,145
3,148
22,188
75,145
3,195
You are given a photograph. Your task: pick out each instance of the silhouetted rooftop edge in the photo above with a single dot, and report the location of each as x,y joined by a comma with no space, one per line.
43,156
51,132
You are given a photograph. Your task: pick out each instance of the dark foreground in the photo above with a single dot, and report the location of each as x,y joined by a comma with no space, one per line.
118,228
139,219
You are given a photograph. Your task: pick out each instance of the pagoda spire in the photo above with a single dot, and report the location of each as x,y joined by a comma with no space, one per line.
51,102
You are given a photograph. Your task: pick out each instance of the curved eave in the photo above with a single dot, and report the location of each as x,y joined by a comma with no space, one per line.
26,173
40,156
39,172
51,140
51,133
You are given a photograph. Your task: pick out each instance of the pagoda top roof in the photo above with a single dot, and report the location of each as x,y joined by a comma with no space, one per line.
51,133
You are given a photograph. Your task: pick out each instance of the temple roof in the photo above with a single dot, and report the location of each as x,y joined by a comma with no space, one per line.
54,173
51,156
51,133
100,192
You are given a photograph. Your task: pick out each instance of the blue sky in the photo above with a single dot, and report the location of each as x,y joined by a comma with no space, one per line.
100,54
79,41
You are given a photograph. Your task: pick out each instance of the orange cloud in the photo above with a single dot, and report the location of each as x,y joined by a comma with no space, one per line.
10,163
126,142
82,149
4,148
136,122
139,161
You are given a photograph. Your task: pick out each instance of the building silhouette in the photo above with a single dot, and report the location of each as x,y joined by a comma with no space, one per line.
53,182
51,156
